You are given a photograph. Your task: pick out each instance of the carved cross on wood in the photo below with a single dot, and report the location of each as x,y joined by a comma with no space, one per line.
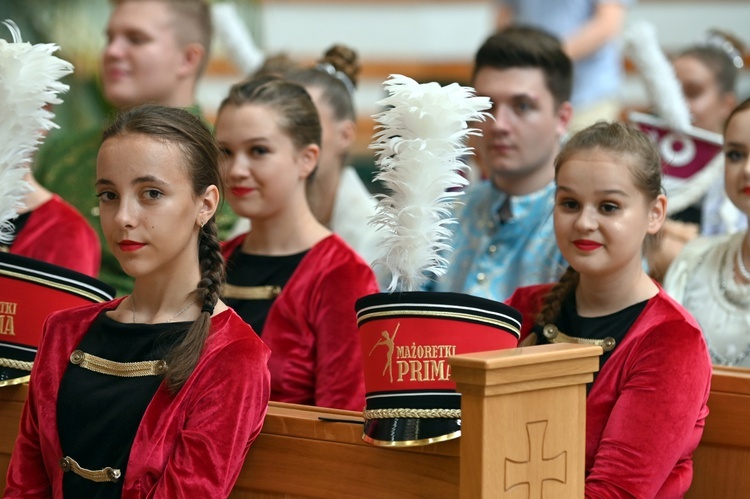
537,468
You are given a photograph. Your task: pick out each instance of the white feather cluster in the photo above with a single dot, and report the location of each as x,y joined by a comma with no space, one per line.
662,85
420,143
236,37
28,81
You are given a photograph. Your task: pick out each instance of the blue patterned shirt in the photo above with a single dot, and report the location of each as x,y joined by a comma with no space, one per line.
492,258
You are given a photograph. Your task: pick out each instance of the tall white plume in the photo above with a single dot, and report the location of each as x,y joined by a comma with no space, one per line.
28,82
663,87
419,146
235,36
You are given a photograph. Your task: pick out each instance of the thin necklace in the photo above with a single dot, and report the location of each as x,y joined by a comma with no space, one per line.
736,294
741,264
132,308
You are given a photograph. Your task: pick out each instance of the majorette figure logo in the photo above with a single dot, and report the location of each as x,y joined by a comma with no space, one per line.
406,343
389,343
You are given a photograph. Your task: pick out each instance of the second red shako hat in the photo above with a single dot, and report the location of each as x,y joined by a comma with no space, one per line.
407,334
406,340
30,290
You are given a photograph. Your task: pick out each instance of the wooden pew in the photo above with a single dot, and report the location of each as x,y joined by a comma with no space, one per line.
721,463
507,398
523,420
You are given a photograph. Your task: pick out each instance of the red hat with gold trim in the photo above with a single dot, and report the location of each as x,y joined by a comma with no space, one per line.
29,291
407,335
406,340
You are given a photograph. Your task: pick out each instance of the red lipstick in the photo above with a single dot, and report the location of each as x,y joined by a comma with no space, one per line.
242,191
114,74
586,245
128,245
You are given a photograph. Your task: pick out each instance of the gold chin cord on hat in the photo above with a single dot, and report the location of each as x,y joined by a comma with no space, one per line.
554,335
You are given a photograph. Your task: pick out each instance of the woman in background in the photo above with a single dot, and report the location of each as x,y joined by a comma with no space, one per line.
290,278
338,198
710,276
708,73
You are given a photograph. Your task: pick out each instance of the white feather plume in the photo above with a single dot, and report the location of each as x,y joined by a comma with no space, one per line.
420,143
662,85
28,82
236,37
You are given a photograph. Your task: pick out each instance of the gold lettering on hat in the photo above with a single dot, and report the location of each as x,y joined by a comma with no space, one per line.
415,362
424,362
423,370
7,313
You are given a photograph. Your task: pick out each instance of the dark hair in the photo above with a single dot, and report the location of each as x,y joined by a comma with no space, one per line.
298,117
626,140
193,137
336,75
276,64
527,47
192,23
643,162
715,55
742,106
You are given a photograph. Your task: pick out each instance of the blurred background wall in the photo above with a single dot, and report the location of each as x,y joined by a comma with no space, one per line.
426,40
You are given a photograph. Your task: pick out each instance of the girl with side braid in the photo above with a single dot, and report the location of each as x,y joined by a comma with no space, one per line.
160,393
646,408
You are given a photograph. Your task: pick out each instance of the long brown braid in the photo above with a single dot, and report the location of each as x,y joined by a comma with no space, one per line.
201,155
184,356
552,303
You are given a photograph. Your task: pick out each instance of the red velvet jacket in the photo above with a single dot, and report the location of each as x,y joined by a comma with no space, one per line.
56,233
646,410
189,445
316,357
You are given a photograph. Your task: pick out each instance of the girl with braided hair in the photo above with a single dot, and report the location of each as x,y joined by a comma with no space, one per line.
290,277
159,393
646,408
337,196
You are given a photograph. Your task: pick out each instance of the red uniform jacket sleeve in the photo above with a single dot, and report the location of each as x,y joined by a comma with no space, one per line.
56,233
